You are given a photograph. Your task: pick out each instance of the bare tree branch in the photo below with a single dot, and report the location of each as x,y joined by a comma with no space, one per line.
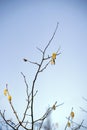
30,96
14,112
35,63
51,38
40,50
6,121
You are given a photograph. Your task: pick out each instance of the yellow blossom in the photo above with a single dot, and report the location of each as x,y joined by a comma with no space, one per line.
9,97
5,92
72,114
54,56
54,107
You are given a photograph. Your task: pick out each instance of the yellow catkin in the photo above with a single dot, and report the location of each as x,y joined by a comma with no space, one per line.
5,92
68,124
54,56
72,114
9,98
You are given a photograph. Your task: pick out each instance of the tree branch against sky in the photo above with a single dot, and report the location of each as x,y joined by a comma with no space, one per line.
56,74
28,122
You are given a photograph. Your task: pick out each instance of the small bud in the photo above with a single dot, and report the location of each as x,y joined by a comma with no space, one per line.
68,124
54,107
25,60
5,92
9,98
72,114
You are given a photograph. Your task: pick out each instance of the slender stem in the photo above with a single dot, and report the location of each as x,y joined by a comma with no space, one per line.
32,95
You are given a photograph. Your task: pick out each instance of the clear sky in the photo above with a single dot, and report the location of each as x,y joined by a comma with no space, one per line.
25,25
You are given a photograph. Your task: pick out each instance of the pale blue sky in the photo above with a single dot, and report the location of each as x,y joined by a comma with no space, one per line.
25,25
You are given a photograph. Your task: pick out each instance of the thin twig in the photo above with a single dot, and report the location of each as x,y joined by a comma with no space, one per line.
83,110
44,67
35,63
15,113
40,50
79,126
28,100
51,38
84,99
6,121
